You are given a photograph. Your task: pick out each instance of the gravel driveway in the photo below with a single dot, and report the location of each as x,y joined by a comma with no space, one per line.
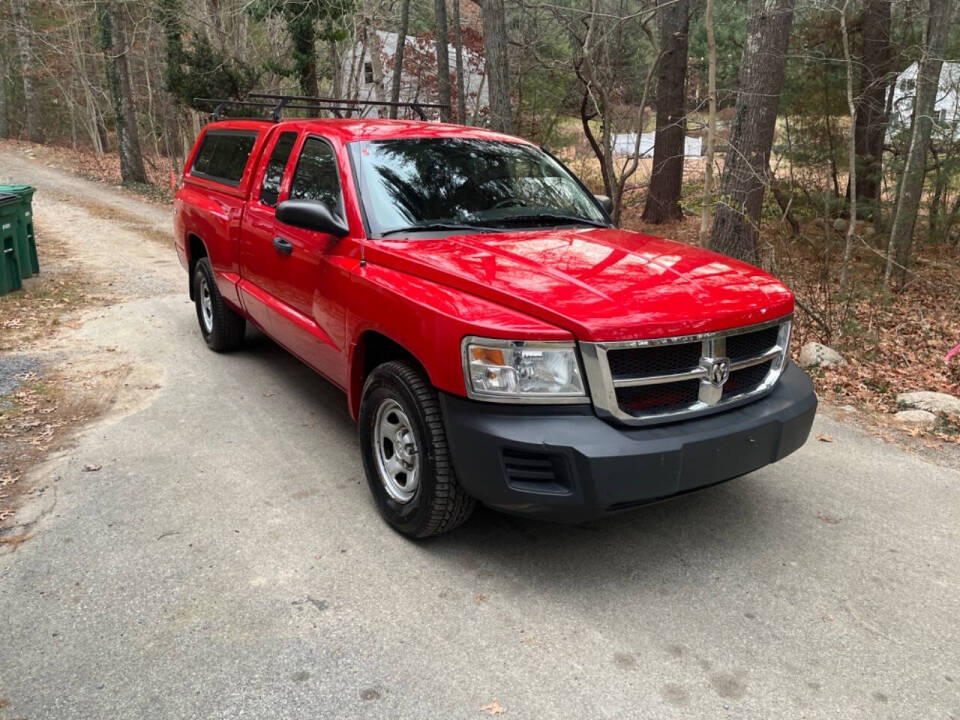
227,562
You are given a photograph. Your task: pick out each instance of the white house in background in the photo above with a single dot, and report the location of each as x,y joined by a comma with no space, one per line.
624,143
947,108
418,81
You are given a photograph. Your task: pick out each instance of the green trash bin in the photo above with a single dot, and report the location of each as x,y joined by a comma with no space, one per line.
9,232
26,242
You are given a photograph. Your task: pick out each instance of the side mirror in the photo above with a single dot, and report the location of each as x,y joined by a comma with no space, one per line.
311,215
605,202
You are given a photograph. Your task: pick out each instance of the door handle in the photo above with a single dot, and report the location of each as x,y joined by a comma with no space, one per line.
283,245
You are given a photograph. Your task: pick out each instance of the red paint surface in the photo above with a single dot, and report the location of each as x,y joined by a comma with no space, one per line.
426,294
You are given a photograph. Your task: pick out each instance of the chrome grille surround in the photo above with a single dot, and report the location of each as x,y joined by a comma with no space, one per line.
713,373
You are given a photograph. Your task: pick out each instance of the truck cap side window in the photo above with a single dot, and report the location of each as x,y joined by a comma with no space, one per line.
273,176
223,156
316,176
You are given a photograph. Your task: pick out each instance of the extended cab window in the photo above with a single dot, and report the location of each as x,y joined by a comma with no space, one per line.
278,163
223,156
316,176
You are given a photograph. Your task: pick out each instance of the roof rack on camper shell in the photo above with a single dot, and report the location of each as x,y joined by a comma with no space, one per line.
276,104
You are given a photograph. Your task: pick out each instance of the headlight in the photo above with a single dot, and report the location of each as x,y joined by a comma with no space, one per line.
522,371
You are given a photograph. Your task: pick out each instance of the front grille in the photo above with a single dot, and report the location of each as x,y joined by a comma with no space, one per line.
663,397
751,344
746,380
655,380
648,362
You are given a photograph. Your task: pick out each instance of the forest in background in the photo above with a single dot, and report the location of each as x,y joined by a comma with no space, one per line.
815,165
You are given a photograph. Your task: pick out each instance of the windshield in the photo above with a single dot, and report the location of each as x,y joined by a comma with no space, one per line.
466,184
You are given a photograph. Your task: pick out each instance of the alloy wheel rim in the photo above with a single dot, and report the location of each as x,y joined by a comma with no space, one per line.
206,306
396,452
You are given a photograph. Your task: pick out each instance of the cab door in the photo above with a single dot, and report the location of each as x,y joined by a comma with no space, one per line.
259,261
309,318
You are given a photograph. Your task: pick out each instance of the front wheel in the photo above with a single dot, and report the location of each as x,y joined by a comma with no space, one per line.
221,327
405,453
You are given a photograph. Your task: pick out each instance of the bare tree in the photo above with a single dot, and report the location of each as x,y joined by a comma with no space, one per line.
4,73
402,30
114,46
372,42
443,58
711,124
28,65
851,150
458,47
497,64
871,119
939,13
747,165
602,36
666,181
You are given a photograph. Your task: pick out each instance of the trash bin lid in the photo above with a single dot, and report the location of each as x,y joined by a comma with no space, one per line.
16,189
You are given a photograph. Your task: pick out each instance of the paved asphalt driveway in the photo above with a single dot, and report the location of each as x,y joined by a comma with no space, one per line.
227,562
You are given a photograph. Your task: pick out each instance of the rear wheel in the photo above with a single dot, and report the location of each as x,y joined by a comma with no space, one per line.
405,453
221,327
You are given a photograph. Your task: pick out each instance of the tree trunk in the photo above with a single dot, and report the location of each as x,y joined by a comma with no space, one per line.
303,34
114,47
4,126
441,31
711,124
939,14
871,121
336,67
747,166
31,104
666,180
497,64
372,41
851,151
458,46
398,55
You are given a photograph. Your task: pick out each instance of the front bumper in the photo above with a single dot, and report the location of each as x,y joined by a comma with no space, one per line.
566,464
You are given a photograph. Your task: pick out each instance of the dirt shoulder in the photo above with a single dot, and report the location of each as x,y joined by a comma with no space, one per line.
99,246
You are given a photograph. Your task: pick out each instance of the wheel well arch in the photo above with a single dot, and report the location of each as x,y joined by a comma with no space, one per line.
373,348
196,249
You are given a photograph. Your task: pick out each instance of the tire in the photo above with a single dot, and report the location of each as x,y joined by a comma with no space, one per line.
221,327
398,395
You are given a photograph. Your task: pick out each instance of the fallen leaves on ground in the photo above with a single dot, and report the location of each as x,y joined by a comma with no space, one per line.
493,708
90,467
824,438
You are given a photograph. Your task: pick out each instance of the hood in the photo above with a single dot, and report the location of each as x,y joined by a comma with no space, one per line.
601,284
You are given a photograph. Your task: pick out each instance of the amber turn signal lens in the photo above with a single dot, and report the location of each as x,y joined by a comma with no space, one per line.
488,356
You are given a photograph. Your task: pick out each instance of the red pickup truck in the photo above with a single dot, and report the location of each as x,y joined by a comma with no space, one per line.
498,339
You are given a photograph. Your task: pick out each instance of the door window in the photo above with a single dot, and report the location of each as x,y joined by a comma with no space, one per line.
316,176
275,169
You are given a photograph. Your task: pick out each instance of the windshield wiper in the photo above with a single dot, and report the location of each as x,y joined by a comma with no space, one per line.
551,218
439,226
